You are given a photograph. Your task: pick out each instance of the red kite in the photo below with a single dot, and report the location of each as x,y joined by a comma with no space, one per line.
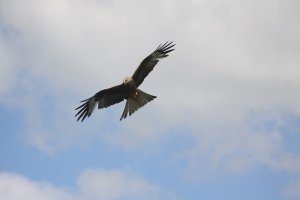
128,89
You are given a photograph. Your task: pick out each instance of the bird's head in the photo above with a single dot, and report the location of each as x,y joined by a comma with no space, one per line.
127,80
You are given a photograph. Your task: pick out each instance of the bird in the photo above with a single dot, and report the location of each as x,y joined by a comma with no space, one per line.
128,89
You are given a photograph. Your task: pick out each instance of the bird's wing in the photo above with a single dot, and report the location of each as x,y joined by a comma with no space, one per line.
149,62
104,98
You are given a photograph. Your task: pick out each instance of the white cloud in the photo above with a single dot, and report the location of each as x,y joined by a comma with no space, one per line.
115,184
267,139
92,184
16,187
234,62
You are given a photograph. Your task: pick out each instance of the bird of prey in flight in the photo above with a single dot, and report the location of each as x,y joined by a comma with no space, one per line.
128,90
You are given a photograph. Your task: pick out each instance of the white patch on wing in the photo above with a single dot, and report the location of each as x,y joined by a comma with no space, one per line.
92,104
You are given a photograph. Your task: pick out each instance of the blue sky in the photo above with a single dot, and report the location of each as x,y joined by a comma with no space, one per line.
225,124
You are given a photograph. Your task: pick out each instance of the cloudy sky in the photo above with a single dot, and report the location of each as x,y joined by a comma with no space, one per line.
225,124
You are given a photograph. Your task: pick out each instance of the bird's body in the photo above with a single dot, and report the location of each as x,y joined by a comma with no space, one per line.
128,90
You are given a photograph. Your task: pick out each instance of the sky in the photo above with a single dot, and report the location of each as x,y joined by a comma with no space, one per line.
225,123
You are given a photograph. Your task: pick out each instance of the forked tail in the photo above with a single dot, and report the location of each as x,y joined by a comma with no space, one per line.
135,102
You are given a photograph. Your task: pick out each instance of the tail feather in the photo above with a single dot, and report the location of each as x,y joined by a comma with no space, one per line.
133,103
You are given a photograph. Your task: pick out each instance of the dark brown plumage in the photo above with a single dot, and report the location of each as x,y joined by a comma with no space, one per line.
128,89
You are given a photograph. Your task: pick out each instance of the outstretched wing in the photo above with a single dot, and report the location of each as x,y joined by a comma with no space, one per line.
104,98
149,62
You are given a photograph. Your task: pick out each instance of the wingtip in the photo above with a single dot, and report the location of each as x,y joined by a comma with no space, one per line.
85,100
166,47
